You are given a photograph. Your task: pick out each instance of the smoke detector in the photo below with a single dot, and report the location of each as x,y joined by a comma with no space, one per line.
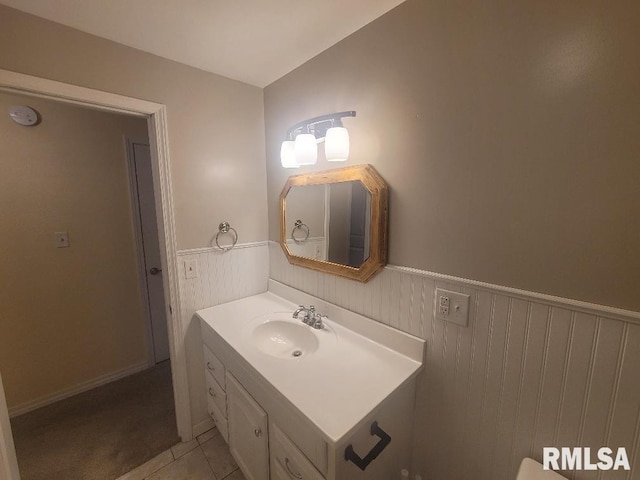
23,115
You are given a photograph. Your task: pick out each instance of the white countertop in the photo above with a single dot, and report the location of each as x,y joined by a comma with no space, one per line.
339,384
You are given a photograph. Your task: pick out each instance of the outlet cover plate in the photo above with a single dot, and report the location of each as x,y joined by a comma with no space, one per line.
452,307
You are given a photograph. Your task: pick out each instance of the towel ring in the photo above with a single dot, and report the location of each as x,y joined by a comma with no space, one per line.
224,228
300,226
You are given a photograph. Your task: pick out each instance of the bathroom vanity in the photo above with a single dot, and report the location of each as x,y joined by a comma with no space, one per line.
296,402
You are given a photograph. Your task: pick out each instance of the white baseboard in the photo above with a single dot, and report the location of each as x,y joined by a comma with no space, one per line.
203,426
76,389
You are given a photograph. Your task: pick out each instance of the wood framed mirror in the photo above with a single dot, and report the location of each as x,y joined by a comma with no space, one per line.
336,221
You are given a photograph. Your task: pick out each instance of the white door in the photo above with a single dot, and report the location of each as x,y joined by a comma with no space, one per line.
146,206
8,461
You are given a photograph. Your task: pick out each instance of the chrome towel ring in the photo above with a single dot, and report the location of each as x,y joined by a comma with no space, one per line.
225,228
305,230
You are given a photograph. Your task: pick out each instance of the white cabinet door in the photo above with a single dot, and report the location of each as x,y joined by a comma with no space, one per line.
8,462
248,434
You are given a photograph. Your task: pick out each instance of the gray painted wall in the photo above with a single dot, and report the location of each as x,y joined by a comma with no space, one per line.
508,134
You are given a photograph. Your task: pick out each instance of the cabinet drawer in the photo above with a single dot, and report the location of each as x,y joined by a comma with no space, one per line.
279,473
221,421
215,392
214,366
287,461
308,442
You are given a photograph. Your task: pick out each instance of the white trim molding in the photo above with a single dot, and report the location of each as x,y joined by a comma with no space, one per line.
41,87
577,305
300,278
76,389
239,246
158,138
8,460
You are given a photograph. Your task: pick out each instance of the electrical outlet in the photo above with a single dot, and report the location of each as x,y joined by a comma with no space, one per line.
452,307
62,239
443,305
191,269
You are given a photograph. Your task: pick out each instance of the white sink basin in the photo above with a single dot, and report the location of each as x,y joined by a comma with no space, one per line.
284,339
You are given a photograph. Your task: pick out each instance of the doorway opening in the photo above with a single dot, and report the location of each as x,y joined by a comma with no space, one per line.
69,244
156,121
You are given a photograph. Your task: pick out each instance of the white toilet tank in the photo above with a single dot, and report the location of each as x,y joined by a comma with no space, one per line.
532,470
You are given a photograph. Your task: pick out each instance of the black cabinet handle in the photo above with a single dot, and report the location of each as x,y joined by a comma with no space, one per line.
362,463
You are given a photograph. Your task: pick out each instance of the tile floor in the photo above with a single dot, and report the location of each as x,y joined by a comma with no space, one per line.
207,457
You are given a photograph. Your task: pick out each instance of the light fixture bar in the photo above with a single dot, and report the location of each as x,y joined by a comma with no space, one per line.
315,125
300,146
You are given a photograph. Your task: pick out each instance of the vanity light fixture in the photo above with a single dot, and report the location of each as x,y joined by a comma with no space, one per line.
301,144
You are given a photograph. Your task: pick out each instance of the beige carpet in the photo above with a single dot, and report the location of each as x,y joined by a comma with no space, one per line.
100,434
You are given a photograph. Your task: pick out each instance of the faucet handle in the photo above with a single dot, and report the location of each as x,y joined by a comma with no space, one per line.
318,323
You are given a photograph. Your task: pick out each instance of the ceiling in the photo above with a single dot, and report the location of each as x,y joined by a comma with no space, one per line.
254,41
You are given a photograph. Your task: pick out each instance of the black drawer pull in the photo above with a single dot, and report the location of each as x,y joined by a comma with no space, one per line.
362,463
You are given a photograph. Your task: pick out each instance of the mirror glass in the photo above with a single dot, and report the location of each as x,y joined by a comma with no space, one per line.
335,221
330,222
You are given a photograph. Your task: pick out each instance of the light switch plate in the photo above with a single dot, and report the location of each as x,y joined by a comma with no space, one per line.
452,307
62,239
191,269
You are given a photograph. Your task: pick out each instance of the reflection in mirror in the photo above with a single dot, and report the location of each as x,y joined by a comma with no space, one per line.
330,222
349,223
306,204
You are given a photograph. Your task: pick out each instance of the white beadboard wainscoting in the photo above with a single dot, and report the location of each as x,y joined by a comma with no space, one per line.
222,277
529,371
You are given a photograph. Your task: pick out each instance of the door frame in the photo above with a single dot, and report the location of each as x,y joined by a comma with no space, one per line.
156,115
142,271
8,461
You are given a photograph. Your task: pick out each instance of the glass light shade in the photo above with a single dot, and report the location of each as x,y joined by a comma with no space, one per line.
306,149
336,144
287,155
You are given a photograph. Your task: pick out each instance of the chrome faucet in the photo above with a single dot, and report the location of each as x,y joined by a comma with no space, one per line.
311,317
301,309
